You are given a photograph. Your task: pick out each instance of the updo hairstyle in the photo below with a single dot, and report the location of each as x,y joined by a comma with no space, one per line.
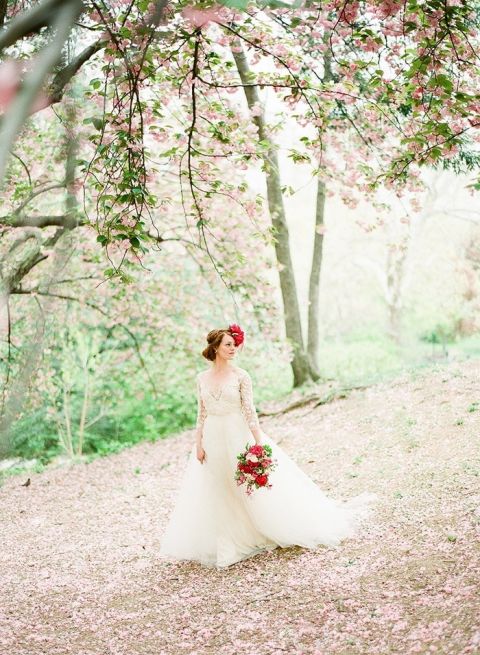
214,339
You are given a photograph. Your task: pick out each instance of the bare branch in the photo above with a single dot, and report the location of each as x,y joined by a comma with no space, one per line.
37,192
76,279
25,167
32,21
63,77
33,221
36,292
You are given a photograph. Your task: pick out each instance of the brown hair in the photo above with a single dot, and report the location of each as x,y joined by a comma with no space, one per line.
214,339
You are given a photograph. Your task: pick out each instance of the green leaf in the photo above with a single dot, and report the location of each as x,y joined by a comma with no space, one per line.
98,123
236,4
443,81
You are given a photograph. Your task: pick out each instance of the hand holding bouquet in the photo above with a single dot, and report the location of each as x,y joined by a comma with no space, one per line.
254,466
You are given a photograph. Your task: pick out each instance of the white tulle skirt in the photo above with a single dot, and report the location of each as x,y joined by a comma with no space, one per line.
215,523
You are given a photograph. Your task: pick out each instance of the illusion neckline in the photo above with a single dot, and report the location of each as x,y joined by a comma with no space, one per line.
216,391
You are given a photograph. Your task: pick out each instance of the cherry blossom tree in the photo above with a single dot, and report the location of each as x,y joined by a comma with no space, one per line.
160,83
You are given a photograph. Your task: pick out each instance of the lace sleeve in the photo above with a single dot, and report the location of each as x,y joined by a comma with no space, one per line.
246,396
201,411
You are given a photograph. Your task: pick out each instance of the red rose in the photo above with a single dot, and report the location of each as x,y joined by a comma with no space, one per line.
261,480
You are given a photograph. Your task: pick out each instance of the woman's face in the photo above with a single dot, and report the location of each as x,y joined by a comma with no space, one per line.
226,349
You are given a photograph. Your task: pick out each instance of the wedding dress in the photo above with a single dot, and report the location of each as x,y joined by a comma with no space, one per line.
215,523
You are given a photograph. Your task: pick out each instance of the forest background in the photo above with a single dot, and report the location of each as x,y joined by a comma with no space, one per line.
307,171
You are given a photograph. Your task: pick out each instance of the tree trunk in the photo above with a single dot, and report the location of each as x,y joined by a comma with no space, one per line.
314,286
22,257
313,344
396,261
24,254
293,326
3,11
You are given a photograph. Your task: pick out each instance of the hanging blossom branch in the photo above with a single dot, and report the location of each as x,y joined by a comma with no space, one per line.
118,167
190,152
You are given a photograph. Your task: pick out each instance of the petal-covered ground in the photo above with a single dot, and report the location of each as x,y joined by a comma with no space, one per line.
80,572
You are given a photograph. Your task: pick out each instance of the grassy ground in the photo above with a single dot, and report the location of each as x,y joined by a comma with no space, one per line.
81,574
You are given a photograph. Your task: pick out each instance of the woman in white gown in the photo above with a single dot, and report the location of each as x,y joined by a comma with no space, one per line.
214,521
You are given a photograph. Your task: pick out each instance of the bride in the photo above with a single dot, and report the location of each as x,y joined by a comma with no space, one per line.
214,521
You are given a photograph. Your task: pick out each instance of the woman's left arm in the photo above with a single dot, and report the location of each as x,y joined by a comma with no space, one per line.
248,408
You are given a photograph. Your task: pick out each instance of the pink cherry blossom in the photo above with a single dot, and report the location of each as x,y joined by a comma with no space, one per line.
201,17
10,77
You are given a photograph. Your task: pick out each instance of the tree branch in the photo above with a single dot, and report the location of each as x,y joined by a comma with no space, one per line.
33,221
20,108
21,258
24,165
32,292
30,22
34,194
63,77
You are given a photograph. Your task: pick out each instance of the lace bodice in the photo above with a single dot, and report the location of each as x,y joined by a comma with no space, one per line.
235,394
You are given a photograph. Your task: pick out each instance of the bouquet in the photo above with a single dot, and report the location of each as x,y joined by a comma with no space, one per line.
254,466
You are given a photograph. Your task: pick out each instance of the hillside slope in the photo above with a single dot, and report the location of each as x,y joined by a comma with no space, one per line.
80,573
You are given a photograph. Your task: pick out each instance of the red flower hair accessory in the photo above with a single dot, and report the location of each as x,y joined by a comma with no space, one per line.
237,334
